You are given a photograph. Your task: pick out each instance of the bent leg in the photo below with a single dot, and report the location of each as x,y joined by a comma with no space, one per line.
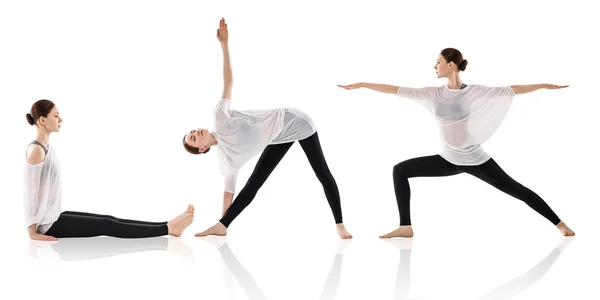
427,166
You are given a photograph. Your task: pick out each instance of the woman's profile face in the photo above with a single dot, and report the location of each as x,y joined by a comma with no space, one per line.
52,121
442,67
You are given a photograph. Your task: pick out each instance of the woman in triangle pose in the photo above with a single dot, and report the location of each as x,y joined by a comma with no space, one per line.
467,116
239,135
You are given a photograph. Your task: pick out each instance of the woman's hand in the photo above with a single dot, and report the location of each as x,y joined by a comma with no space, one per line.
351,86
42,237
222,33
555,87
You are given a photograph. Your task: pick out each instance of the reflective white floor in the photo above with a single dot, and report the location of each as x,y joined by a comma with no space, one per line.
426,267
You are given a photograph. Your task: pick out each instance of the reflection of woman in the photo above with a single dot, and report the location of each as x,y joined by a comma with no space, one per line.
248,284
42,194
467,116
240,135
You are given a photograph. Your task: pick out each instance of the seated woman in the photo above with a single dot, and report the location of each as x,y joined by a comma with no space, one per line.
42,194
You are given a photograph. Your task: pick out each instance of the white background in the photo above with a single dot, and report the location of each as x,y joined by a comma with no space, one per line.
131,77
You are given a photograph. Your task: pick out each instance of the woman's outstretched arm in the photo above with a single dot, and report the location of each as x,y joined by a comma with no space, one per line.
223,36
382,88
528,88
423,95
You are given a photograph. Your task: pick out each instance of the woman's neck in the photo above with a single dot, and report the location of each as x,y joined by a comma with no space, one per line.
213,140
454,81
42,136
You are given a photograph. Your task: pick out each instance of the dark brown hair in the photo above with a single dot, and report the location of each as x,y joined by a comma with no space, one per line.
192,149
453,55
40,108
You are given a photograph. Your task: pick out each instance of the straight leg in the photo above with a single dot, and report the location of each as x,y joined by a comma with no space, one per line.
71,225
114,218
267,162
314,153
491,173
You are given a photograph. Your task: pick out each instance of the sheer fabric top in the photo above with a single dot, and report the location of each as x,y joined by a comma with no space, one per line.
242,134
42,192
467,117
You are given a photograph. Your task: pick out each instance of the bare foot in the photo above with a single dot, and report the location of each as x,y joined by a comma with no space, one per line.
566,231
181,222
342,232
218,229
402,231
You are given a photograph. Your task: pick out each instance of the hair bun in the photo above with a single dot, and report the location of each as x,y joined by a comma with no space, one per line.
463,65
30,119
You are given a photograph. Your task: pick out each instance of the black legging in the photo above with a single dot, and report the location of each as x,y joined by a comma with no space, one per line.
71,224
267,162
490,172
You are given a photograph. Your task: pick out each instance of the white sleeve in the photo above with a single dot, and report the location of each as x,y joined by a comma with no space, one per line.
424,96
222,114
230,182
488,92
223,105
33,194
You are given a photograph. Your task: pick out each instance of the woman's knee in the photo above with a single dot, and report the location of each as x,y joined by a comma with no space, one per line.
326,178
401,169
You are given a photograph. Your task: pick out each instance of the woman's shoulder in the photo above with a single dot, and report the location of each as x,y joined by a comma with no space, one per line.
35,154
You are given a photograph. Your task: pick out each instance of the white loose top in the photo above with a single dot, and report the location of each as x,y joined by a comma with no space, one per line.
42,192
466,117
242,134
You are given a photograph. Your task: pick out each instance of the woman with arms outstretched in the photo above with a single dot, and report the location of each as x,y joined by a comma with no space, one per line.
467,116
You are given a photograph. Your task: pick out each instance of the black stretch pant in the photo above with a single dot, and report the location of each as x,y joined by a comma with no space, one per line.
267,162
490,172
72,224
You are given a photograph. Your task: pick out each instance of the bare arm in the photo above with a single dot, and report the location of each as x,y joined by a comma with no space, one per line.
223,36
35,154
31,230
382,88
524,89
424,95
227,199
